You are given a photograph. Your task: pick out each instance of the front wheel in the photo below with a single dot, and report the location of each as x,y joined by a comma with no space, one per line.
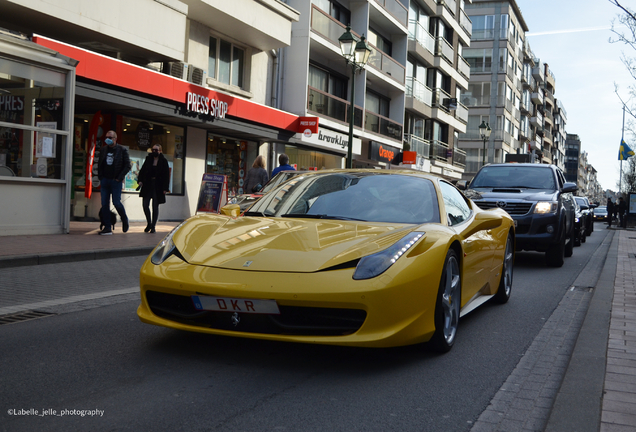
555,255
505,284
447,305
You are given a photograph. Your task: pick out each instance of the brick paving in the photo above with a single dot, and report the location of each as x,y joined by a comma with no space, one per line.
619,400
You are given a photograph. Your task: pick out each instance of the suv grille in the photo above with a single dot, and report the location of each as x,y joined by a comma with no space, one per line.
513,208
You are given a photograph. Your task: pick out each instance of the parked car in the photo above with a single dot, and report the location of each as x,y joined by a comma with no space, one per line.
587,210
539,200
579,223
245,201
600,213
372,258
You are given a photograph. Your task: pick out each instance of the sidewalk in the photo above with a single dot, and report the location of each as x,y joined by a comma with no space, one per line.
598,389
82,243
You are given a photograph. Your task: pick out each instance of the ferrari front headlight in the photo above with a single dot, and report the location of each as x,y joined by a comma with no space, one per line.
165,248
546,207
374,265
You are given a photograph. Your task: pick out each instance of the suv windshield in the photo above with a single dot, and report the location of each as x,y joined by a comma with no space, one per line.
514,176
366,196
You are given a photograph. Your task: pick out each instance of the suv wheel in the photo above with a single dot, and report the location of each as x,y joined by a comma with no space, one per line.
569,247
555,255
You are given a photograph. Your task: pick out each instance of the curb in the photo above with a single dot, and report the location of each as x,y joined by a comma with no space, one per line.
63,257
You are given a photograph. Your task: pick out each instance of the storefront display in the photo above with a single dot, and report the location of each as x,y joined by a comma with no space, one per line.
230,158
311,160
138,136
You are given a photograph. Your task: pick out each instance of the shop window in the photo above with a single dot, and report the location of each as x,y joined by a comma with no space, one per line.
31,98
226,62
308,160
138,136
229,157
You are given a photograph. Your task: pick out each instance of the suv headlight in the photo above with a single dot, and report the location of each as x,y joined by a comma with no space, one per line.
374,265
546,207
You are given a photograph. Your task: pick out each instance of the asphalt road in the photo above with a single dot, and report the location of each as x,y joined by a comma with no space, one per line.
142,377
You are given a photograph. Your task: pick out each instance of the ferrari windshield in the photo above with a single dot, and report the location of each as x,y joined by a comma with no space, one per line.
364,196
514,176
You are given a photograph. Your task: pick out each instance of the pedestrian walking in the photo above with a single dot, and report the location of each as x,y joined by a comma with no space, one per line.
154,181
622,211
610,212
113,165
283,161
256,176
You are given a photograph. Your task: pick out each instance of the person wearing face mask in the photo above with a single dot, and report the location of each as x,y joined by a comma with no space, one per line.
154,180
114,163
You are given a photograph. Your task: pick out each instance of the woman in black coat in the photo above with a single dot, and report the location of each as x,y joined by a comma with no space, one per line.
154,180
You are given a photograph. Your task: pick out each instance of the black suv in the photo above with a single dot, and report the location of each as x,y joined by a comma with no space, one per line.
539,200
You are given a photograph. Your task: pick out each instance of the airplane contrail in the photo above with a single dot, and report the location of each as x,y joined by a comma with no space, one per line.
553,32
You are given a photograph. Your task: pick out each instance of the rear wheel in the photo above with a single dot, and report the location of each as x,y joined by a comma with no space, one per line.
569,247
555,255
447,305
505,284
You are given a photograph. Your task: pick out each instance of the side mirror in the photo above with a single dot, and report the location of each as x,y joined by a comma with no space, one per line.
569,187
462,184
233,210
485,220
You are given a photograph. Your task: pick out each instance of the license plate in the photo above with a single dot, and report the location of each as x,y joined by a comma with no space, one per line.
226,304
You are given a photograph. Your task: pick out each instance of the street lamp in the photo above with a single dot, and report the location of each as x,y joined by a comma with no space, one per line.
484,130
356,53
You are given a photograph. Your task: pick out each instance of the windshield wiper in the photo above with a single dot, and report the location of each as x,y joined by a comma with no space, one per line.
318,216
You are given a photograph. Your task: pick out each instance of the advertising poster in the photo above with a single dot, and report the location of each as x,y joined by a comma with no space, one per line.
212,187
130,181
632,204
45,144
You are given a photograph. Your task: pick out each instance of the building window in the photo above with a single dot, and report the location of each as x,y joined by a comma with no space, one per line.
322,84
226,62
480,60
477,94
483,27
335,10
380,42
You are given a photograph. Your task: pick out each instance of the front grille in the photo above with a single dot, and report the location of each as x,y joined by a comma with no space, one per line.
513,208
293,320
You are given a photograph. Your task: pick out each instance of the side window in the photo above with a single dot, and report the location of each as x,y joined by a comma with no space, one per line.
561,179
457,208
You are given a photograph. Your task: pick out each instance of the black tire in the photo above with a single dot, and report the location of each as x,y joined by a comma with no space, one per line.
505,283
555,255
584,237
447,305
569,247
577,237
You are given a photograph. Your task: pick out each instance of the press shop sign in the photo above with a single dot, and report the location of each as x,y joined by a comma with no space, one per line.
205,105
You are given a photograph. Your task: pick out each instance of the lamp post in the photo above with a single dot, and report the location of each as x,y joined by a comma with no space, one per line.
356,53
484,130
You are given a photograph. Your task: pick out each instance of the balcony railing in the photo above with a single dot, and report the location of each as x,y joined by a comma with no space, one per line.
461,113
537,97
419,91
326,26
445,49
451,5
466,23
419,145
421,36
381,125
463,67
395,8
537,120
478,65
331,106
481,34
459,157
508,105
503,136
384,63
471,101
439,150
438,98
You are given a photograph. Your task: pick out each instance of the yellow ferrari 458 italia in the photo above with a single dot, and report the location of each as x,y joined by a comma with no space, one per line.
371,258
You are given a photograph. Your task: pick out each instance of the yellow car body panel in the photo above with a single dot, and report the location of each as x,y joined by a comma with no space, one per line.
307,263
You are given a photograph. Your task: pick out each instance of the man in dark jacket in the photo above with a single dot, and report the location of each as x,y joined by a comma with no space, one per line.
283,160
114,163
610,212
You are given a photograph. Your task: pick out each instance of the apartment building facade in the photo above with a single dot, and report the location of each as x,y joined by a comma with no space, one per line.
196,77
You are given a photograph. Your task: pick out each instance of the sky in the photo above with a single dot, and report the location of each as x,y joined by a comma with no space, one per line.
572,36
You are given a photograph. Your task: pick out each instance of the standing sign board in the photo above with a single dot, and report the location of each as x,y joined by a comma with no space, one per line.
212,194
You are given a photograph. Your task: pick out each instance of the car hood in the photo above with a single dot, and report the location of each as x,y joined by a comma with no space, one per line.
280,244
512,193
